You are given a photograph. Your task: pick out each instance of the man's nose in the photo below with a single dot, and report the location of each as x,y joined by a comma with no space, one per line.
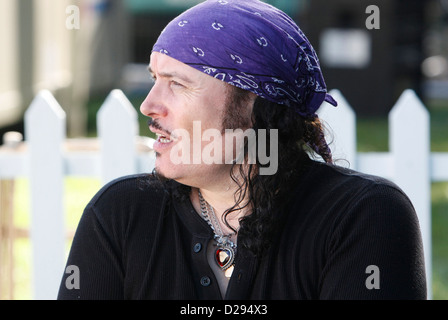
153,106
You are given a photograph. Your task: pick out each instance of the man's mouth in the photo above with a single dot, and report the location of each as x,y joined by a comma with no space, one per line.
162,138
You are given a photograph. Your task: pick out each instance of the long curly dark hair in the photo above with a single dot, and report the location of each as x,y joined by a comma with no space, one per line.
297,139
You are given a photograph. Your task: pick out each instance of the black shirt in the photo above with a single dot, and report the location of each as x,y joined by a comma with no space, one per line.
344,235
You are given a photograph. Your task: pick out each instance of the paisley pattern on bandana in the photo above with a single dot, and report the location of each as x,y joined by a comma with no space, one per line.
251,45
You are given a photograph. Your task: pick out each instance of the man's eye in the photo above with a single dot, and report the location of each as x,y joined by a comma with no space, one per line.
176,84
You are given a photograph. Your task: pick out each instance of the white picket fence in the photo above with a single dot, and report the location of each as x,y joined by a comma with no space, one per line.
47,160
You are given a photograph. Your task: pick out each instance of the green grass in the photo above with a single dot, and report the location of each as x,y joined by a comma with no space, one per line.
440,240
95,105
373,133
439,126
372,136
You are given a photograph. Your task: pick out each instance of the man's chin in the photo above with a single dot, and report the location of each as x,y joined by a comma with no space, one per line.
161,174
163,170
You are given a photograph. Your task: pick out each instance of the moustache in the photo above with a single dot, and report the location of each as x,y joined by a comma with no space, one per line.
153,123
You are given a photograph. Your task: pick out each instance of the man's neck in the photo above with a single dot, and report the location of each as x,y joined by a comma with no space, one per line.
221,200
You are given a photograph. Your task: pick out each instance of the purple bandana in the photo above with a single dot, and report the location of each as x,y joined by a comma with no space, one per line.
251,45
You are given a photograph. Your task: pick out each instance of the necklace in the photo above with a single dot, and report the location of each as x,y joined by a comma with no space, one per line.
226,249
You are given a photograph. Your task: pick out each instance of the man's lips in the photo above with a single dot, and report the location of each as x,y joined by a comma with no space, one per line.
163,137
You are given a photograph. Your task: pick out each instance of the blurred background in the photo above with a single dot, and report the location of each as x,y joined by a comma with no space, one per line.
110,48
44,46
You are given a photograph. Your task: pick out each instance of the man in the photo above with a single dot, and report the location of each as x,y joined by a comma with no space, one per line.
243,72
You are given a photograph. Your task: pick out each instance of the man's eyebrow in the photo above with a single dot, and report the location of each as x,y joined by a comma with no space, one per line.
170,75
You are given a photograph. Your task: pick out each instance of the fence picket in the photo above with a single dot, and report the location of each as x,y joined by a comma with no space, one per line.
45,132
117,130
409,143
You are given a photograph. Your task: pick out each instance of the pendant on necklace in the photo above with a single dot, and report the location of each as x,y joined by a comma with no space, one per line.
224,257
229,271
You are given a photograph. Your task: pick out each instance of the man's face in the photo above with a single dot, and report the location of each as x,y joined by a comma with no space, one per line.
185,101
